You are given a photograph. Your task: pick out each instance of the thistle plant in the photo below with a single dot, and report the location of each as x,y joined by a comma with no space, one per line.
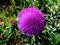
23,22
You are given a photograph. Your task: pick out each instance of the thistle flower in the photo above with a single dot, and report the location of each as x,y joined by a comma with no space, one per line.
31,21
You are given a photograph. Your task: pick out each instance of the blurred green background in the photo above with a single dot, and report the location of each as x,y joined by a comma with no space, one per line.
9,33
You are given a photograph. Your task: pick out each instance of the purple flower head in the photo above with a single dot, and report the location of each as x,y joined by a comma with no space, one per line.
31,21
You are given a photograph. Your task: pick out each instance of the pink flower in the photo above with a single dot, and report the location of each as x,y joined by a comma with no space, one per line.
11,21
31,21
